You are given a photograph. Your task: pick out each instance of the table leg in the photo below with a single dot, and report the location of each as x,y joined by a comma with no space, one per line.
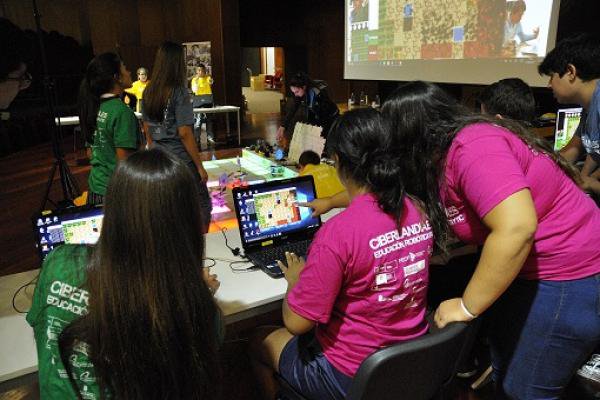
239,128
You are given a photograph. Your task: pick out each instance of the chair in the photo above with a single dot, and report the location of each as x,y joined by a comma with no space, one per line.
419,369
274,81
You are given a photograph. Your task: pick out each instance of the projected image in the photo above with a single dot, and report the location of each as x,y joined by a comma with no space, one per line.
397,31
359,11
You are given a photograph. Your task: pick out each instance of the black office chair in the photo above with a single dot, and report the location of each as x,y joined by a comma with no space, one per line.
419,369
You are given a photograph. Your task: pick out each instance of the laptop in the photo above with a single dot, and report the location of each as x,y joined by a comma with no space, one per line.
271,222
567,121
73,225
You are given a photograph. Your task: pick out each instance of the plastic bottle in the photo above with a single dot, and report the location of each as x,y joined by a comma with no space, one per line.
376,102
351,101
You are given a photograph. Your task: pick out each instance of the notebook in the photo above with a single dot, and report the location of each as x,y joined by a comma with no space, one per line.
75,225
271,222
567,121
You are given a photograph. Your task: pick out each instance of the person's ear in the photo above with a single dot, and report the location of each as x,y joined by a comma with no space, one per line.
571,72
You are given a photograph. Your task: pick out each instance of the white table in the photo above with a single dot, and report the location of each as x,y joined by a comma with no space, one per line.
242,295
224,109
74,120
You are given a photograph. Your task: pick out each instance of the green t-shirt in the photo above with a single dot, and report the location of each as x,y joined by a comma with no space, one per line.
58,300
116,127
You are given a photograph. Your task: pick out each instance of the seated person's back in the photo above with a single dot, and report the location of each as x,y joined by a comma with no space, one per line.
327,182
364,284
102,324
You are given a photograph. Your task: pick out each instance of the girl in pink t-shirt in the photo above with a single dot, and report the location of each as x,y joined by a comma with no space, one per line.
364,284
494,184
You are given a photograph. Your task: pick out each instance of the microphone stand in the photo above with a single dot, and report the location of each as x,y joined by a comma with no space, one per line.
70,190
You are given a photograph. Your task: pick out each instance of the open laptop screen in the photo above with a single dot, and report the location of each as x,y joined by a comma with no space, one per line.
567,121
75,225
270,210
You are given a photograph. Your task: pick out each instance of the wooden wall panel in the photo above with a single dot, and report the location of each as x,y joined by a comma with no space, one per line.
56,15
152,24
232,52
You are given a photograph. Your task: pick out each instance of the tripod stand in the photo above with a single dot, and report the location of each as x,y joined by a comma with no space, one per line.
68,184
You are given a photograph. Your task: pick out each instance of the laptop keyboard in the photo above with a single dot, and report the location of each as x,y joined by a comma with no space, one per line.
270,255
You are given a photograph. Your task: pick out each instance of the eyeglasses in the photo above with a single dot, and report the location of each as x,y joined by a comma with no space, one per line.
24,80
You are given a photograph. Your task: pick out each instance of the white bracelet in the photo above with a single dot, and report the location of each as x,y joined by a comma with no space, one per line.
467,312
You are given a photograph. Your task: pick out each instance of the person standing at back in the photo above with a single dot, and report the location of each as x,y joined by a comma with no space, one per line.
201,82
108,125
310,104
169,117
137,88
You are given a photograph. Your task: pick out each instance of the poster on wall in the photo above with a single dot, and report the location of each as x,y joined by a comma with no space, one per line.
197,53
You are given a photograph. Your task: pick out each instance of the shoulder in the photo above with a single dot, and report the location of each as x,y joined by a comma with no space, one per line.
117,107
65,261
362,208
481,137
68,253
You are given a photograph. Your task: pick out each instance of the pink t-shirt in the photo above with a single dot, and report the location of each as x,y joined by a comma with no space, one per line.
485,165
365,282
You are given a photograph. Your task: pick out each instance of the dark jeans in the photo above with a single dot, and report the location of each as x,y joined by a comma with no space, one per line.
205,201
541,332
303,366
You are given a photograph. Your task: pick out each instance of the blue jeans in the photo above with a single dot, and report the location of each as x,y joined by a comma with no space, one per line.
541,332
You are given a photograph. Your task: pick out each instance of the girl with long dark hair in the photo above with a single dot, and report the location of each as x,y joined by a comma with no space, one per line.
492,183
109,126
364,284
169,117
134,316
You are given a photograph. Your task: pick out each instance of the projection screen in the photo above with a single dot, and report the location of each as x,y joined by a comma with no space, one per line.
456,41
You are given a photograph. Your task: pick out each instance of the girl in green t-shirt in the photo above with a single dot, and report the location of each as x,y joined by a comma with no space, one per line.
109,125
134,317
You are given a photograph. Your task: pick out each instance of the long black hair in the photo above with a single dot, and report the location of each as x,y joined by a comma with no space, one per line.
152,322
424,121
169,73
101,74
361,142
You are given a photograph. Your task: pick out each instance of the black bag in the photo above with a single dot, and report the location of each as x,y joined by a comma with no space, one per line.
203,101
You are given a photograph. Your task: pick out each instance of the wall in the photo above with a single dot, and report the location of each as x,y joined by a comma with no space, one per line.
312,31
135,28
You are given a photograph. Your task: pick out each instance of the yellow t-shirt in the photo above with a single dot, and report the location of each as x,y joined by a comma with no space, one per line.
327,182
201,85
137,89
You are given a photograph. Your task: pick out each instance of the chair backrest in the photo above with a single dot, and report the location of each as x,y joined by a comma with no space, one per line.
415,370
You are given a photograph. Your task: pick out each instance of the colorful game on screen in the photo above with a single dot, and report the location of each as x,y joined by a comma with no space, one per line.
77,225
274,211
567,121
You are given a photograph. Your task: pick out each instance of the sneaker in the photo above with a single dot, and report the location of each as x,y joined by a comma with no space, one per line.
591,369
467,369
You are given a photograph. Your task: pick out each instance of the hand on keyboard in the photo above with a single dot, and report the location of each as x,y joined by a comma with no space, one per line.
293,268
